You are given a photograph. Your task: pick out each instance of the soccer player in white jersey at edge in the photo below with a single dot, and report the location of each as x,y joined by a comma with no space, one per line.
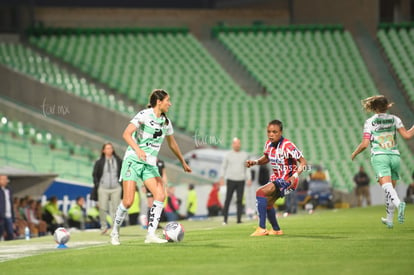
380,131
144,136
284,157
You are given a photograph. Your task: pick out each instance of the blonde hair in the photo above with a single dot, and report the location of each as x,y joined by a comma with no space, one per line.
377,103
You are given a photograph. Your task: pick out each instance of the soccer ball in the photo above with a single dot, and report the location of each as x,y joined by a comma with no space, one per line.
61,235
174,232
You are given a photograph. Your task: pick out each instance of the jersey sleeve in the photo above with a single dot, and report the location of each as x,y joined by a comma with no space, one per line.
138,119
293,151
398,122
367,130
266,148
169,130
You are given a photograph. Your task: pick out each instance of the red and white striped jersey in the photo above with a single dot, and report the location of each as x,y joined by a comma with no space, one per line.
283,157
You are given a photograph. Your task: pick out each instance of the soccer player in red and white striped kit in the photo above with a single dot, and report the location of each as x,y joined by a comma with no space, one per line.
287,164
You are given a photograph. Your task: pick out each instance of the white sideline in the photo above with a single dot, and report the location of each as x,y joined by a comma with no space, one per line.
10,252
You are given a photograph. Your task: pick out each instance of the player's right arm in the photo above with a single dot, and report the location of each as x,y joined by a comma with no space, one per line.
127,136
262,160
361,147
366,139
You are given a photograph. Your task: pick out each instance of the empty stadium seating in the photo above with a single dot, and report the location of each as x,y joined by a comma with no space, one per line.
135,62
397,41
29,62
314,79
317,78
25,146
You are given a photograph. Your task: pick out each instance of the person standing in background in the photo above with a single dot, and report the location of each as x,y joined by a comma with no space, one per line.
361,180
214,205
235,173
191,201
6,209
410,192
172,205
105,174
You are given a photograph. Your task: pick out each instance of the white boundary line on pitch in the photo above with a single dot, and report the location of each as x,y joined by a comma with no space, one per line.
11,252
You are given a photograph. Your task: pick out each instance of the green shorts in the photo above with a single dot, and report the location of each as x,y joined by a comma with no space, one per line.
135,170
386,165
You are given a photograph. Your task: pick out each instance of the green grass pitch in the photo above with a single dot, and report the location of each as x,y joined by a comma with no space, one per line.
343,241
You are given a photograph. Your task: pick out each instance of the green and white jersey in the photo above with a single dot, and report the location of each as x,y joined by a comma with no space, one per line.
150,134
381,130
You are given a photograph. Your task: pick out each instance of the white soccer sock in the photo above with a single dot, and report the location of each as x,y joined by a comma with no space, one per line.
154,218
391,193
389,208
120,215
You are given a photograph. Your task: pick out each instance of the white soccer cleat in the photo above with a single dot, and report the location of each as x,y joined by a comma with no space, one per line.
115,238
389,224
154,239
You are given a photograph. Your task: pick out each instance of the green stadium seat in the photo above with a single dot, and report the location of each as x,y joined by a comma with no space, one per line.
24,146
398,45
311,73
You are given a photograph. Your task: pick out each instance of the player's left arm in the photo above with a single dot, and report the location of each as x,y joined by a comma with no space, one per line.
302,167
172,143
406,134
361,147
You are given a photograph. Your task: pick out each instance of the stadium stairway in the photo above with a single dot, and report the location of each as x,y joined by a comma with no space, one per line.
232,67
382,74
397,43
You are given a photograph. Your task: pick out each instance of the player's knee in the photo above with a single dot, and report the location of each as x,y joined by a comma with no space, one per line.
127,202
159,196
260,193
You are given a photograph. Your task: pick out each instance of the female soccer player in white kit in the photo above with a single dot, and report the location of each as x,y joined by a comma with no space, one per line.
380,131
144,136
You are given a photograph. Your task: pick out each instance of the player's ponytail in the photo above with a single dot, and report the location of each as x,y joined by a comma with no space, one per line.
158,94
377,103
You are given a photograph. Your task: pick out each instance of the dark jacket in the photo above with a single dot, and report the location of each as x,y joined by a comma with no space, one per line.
3,204
361,179
99,166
